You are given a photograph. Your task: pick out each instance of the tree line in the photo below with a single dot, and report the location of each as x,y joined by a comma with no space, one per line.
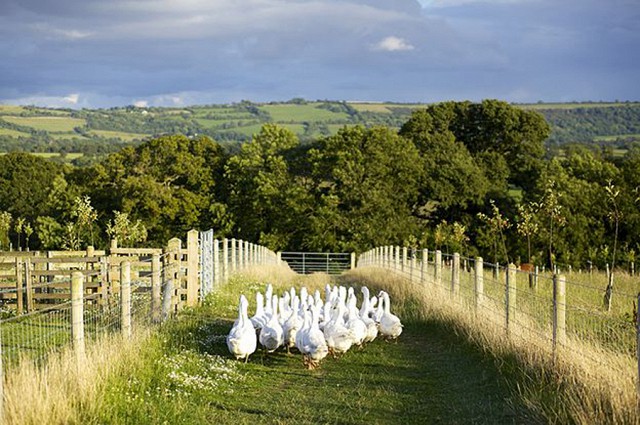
458,176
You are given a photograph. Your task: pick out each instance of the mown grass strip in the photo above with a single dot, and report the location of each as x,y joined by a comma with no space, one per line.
185,375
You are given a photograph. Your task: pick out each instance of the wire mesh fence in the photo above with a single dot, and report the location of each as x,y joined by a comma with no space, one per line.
559,315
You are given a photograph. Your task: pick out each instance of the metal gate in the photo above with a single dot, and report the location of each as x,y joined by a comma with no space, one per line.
317,262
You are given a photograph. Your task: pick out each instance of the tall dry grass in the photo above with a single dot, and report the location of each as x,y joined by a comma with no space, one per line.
62,390
579,383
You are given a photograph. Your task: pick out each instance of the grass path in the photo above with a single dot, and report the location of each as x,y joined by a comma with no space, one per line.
430,376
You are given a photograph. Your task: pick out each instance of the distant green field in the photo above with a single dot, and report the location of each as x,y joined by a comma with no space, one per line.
127,137
11,109
371,107
613,138
48,155
52,124
301,113
66,136
568,105
12,133
212,123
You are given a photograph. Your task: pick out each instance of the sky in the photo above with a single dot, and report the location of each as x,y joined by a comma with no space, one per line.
110,53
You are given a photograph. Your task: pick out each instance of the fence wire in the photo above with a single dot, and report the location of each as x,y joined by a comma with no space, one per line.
529,306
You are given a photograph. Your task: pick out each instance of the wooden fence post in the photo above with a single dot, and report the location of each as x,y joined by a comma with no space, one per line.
192,267
104,280
479,282
353,261
455,275
225,259
28,285
77,316
167,288
438,268
559,311
125,299
240,254
19,287
424,266
156,312
510,296
234,258
114,276
217,274
412,265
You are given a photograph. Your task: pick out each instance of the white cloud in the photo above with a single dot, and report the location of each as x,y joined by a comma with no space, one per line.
393,44
453,3
141,103
72,98
60,33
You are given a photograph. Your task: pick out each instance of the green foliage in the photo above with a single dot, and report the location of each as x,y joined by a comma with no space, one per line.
168,183
125,231
5,225
366,182
262,195
50,232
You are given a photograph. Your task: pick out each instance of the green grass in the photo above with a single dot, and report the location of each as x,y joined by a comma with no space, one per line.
69,156
52,124
11,109
12,133
119,134
569,105
299,113
185,375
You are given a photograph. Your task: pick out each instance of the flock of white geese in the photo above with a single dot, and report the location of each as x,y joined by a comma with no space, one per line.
311,324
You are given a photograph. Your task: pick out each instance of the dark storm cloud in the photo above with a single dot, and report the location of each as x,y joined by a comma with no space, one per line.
196,51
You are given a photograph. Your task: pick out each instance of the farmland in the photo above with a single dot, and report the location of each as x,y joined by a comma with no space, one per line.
30,129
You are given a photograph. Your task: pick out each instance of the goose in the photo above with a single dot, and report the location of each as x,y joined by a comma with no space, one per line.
377,315
365,310
241,340
339,337
314,344
271,334
390,325
355,324
258,319
292,325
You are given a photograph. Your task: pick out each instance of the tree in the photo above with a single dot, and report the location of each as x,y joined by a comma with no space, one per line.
497,224
366,186
527,225
25,183
451,177
169,183
614,215
5,225
263,196
124,230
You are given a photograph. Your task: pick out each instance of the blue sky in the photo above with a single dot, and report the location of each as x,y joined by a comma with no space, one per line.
97,53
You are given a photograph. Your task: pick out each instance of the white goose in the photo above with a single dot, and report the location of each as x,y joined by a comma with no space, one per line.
313,344
292,325
365,316
258,319
354,323
339,338
390,325
241,340
271,334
